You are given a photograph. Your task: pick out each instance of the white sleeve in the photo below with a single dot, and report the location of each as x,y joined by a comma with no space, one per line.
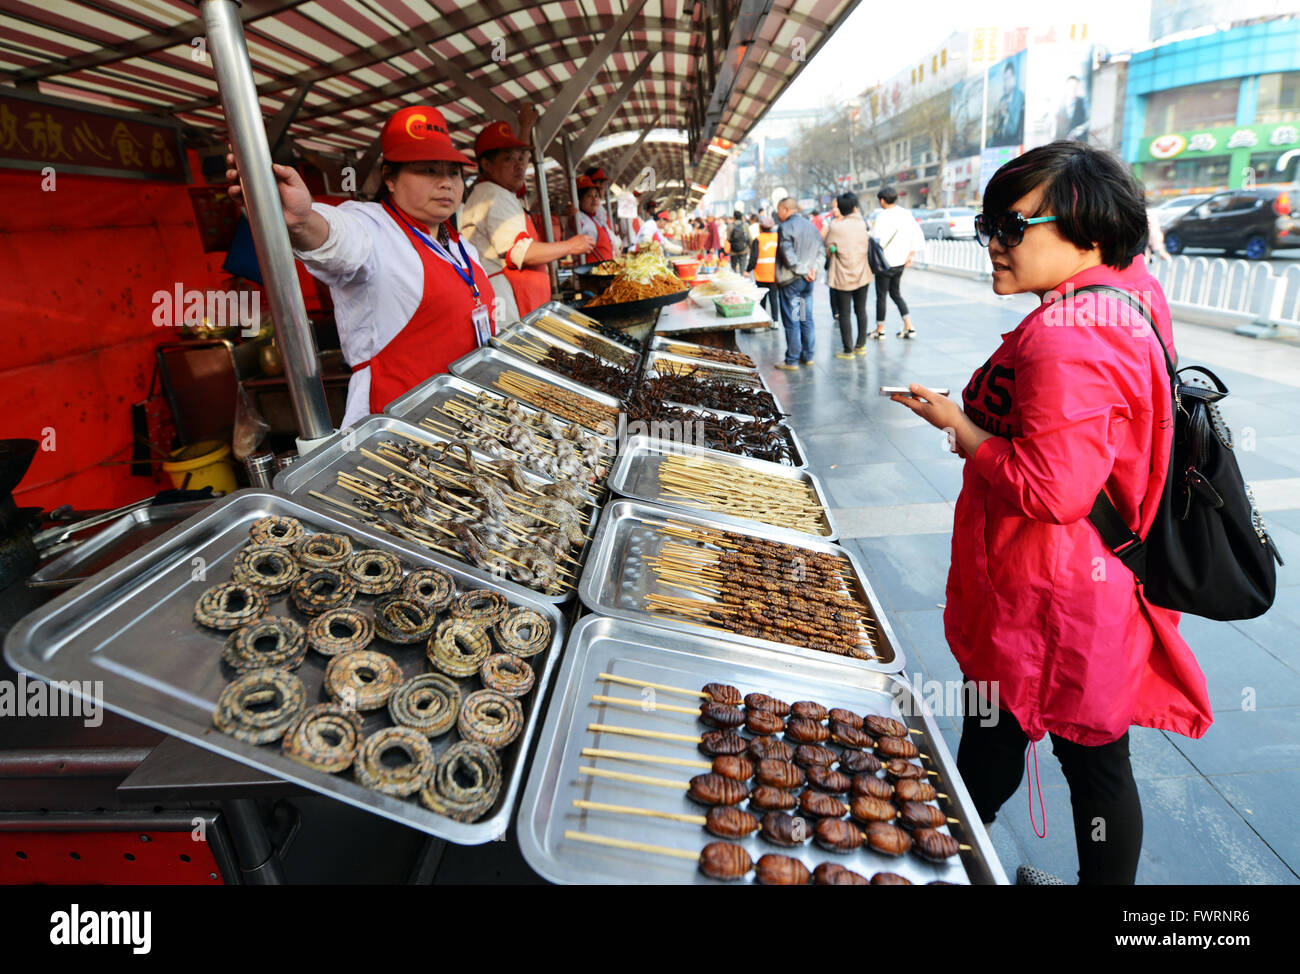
346,255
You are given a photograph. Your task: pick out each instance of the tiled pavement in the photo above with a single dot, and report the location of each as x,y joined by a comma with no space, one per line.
1215,809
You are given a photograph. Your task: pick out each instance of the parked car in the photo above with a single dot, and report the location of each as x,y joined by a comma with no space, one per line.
1170,210
954,223
1254,221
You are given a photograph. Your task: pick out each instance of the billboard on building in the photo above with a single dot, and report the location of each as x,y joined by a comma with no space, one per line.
1057,91
1006,112
967,116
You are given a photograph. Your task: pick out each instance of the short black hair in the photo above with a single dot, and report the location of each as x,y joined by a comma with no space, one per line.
887,194
847,202
1094,197
1011,66
738,215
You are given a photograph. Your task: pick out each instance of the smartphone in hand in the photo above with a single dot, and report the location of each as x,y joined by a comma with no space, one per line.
904,391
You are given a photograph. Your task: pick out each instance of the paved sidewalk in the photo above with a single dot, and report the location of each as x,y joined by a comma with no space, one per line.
1215,810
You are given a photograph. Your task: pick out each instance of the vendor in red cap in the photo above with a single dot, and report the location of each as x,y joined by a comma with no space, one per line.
494,219
601,216
589,223
410,295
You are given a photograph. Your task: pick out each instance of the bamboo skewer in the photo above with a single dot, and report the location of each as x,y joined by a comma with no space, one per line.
639,779
630,702
644,812
600,752
628,844
657,686
637,732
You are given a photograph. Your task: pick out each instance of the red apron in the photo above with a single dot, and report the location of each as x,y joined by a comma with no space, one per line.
532,287
604,250
439,331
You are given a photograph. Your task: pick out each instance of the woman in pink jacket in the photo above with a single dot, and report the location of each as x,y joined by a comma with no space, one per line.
1075,400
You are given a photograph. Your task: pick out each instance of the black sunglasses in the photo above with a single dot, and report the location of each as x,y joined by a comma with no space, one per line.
1009,228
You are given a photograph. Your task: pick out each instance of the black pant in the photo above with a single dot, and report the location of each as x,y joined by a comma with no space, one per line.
738,261
889,282
771,300
1103,794
841,301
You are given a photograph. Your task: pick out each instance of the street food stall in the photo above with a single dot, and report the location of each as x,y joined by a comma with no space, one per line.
568,605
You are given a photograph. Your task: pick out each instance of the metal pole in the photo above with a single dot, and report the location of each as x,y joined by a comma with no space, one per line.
247,132
547,232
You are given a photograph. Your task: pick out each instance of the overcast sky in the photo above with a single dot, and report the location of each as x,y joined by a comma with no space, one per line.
879,39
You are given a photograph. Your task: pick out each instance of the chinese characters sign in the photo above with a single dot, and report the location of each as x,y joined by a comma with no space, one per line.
36,134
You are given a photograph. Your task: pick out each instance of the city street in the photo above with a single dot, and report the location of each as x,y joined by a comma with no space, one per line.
1215,809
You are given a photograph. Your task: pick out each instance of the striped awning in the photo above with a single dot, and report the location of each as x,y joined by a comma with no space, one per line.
708,70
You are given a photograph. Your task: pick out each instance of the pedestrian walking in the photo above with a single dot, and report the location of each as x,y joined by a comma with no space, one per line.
799,250
900,238
1038,605
738,239
849,274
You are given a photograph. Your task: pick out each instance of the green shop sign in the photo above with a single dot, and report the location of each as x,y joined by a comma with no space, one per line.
1200,143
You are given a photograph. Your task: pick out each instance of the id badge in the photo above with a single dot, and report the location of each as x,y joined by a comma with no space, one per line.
482,326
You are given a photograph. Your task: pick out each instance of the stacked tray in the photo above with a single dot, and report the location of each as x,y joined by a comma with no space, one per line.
648,654
637,475
132,626
314,482
691,350
487,366
618,578
671,433
427,403
662,363
571,335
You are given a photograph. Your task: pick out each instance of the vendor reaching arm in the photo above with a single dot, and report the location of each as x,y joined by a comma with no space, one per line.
410,295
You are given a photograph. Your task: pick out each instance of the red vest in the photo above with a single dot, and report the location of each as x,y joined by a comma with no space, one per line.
439,331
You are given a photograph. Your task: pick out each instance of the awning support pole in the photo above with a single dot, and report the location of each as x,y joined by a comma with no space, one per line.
539,167
247,133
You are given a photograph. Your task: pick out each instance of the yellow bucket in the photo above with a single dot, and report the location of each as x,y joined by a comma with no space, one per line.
200,465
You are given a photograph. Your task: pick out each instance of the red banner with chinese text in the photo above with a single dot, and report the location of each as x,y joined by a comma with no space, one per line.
35,134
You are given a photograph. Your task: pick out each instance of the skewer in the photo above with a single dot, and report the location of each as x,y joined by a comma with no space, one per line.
637,732
640,779
600,752
657,686
645,812
628,702
628,844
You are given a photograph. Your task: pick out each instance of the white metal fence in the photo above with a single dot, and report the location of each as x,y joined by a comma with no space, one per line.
1209,288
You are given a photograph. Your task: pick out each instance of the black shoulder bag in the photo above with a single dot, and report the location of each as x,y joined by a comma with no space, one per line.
1207,552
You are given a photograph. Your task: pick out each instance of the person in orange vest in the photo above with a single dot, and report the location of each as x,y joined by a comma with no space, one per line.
588,221
410,293
762,264
514,254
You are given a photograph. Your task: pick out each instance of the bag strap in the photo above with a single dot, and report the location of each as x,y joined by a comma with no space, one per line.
1124,543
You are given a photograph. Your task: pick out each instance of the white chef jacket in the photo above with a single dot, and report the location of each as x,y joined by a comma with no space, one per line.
587,227
494,221
376,280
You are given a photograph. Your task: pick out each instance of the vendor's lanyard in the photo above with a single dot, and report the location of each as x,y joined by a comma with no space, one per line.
442,252
479,314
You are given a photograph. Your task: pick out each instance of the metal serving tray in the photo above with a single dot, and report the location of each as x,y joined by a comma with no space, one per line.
641,652
661,343
342,452
113,541
800,454
566,314
743,372
132,627
616,579
636,476
484,365
726,412
537,336
424,401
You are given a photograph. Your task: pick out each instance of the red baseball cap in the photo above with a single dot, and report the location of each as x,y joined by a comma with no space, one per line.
498,135
584,182
418,133
597,175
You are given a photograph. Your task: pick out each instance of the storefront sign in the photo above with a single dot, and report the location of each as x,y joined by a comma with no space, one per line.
36,133
1218,141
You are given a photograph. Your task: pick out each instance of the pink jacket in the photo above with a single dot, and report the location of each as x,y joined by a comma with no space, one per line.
1077,397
